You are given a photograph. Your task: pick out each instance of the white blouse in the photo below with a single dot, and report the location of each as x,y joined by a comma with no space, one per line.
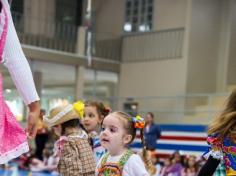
16,62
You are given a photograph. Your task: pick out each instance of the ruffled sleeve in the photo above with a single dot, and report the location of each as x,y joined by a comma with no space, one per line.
17,64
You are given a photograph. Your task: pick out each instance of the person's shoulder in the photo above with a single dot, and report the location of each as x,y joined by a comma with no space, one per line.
135,166
157,126
76,142
135,158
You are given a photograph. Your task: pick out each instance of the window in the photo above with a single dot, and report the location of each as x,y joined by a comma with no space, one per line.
68,17
138,15
69,11
17,10
17,6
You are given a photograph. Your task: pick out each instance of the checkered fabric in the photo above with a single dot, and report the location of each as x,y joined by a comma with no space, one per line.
76,158
220,170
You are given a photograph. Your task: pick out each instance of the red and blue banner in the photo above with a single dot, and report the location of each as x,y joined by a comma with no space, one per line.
187,139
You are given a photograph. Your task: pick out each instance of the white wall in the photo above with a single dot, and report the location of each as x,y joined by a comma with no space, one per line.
39,16
109,15
203,46
158,82
153,78
232,52
169,14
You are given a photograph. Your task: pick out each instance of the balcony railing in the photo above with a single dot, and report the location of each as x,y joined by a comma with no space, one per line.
63,37
164,44
46,34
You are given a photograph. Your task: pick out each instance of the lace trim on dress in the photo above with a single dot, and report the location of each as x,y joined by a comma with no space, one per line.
14,153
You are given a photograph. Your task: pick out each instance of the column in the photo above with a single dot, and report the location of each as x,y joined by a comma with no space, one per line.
38,82
81,41
224,45
79,82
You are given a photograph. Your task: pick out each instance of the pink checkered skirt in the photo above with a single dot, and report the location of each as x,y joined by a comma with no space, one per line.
13,139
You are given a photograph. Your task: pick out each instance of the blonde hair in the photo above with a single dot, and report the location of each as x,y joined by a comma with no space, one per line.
146,157
127,122
225,123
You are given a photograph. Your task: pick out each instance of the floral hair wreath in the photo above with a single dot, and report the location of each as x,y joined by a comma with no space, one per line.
138,122
79,108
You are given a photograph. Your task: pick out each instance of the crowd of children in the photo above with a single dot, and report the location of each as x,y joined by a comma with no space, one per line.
89,139
179,165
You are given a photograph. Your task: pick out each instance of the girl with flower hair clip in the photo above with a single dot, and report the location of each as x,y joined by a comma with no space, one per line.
118,131
94,113
73,148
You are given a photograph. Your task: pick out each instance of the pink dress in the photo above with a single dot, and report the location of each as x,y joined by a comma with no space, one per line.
13,139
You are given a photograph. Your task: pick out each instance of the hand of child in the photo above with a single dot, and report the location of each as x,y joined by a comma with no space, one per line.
33,117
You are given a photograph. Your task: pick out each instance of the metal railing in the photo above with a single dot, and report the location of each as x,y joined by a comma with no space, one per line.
164,44
193,108
46,34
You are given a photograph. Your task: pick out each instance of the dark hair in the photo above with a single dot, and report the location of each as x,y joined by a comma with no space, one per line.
151,114
179,154
195,165
74,123
101,109
42,111
70,124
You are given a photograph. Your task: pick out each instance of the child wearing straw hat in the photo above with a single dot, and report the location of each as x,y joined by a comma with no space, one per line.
73,148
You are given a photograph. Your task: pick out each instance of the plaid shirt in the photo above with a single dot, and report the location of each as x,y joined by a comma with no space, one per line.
220,170
76,158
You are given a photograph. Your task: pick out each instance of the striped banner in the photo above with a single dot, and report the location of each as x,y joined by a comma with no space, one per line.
187,139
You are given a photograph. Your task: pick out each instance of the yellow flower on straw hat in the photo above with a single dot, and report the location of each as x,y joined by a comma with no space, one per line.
79,108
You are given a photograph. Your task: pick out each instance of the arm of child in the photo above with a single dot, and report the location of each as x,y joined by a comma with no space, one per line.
214,156
209,167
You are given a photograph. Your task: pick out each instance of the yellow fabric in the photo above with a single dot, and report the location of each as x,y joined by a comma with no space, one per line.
41,125
42,128
230,172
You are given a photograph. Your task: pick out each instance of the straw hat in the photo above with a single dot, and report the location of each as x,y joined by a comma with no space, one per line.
62,114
